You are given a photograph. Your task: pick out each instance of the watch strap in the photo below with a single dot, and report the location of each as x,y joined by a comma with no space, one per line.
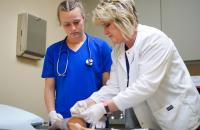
107,109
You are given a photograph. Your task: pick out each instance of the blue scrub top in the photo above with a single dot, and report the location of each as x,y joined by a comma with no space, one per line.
80,80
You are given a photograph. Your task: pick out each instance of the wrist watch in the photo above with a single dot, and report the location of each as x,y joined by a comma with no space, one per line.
107,109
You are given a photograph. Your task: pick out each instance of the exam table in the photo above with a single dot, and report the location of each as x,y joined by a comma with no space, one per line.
14,118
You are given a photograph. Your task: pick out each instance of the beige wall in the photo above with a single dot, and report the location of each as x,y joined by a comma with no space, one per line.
21,84
90,27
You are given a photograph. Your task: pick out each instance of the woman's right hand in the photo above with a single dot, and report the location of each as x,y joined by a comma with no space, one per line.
54,116
81,106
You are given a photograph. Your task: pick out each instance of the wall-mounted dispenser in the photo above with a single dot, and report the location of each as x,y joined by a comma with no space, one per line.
31,36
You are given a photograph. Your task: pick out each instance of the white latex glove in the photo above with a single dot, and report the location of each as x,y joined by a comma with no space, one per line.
101,123
94,113
59,124
55,117
78,108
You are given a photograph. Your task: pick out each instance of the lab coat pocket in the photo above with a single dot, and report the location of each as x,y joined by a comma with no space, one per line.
179,115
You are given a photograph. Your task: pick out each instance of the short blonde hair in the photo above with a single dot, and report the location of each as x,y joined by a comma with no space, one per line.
122,12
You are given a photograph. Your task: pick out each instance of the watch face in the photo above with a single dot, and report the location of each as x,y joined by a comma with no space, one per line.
107,109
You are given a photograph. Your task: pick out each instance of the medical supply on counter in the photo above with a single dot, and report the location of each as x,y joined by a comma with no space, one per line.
196,81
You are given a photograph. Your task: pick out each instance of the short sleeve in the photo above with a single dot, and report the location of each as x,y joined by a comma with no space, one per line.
48,66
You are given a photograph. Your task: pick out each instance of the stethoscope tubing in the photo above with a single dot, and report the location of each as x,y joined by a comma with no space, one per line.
89,61
66,65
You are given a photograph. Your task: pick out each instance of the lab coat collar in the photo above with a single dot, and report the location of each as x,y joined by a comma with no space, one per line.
130,54
121,57
132,50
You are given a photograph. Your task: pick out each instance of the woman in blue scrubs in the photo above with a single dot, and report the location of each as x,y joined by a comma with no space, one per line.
148,76
75,67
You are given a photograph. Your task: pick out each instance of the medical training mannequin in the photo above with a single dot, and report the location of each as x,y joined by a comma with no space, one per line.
158,86
73,123
74,67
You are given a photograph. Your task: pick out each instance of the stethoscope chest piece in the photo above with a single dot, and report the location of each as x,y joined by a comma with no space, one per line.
89,61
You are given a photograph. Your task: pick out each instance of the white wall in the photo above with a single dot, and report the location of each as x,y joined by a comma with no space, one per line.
90,27
179,19
149,12
21,84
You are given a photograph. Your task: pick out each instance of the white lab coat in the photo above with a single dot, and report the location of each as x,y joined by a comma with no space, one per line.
160,88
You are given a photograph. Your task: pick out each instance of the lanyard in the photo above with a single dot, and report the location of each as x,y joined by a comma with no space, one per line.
127,66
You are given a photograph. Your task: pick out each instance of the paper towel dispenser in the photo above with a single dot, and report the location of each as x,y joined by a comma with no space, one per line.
31,36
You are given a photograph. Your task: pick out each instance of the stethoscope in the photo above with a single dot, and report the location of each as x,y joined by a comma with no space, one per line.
89,61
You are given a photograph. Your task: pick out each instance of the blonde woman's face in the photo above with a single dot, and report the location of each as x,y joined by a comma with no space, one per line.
113,32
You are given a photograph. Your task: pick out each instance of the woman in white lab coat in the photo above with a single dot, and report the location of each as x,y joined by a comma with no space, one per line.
147,74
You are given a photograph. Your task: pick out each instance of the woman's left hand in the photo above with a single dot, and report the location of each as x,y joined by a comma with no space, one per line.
94,113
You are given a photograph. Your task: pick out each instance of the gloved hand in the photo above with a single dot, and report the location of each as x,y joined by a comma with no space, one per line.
55,117
94,113
59,124
101,123
78,108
